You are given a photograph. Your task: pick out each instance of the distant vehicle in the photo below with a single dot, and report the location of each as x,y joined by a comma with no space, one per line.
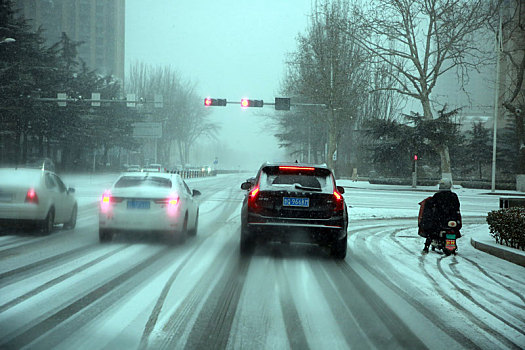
154,168
160,202
290,202
133,168
37,197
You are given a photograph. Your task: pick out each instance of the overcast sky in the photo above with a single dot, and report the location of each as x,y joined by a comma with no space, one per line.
232,49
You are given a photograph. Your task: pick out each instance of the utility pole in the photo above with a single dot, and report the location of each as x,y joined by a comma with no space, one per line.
499,48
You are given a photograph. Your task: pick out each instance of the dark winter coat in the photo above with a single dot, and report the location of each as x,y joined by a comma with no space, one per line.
437,211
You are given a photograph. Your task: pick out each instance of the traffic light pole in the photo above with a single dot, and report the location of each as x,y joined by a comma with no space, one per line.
414,173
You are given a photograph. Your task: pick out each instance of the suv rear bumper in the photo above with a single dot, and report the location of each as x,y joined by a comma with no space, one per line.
318,231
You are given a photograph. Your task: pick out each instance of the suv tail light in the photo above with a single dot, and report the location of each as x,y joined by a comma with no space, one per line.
31,196
339,201
252,198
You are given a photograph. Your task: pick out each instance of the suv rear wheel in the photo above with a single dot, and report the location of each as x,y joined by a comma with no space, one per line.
338,248
247,242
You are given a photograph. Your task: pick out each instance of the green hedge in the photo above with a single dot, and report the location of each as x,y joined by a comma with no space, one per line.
486,185
507,226
433,182
401,181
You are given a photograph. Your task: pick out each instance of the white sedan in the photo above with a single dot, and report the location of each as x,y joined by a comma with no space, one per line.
150,202
36,196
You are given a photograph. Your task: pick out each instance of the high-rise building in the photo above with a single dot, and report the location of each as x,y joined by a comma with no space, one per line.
99,24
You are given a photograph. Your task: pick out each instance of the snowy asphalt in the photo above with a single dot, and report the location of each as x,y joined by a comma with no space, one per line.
68,291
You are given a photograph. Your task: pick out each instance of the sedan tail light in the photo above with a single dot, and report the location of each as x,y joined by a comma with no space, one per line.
339,201
105,202
170,201
31,196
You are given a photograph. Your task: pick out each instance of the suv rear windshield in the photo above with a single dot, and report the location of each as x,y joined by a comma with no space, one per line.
134,181
315,179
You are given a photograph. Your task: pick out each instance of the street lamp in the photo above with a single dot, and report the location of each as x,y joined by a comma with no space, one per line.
7,40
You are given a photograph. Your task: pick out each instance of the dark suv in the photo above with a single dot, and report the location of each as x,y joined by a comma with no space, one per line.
290,202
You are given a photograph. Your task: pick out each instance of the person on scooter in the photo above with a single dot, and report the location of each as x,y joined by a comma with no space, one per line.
445,208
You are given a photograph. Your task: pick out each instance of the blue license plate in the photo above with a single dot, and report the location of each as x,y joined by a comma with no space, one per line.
134,204
296,202
451,236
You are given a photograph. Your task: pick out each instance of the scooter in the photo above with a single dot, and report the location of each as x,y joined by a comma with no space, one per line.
446,239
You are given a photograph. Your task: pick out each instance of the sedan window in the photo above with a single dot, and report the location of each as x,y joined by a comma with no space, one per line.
50,183
60,184
134,181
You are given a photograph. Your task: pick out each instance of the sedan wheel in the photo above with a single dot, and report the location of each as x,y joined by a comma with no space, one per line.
247,243
104,235
73,219
49,222
193,232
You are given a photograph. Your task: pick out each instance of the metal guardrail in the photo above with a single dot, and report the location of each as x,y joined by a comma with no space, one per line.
192,174
509,202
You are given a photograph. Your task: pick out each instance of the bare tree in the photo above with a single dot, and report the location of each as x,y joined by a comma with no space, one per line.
511,44
327,69
191,120
421,40
182,115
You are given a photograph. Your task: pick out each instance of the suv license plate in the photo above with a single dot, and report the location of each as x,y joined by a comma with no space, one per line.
138,204
296,202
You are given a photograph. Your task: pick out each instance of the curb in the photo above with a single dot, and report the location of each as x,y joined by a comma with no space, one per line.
501,253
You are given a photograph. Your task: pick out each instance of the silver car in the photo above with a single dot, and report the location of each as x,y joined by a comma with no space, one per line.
38,197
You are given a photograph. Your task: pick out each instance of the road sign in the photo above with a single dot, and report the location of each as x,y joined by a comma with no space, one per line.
147,130
95,99
131,98
62,97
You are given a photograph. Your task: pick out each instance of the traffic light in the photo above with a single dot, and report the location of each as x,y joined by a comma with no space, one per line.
214,101
282,103
251,103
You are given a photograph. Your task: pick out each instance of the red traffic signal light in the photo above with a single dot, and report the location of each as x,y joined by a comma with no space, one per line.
214,101
251,103
415,156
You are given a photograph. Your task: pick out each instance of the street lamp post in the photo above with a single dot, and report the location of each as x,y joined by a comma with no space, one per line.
499,48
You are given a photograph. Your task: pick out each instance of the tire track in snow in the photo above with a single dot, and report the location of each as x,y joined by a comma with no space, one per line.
350,327
399,330
59,317
59,279
378,271
474,301
154,315
294,328
487,290
12,276
174,329
467,313
488,275
220,308
467,282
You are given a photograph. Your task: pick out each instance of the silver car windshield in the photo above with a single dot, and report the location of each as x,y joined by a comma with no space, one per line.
135,181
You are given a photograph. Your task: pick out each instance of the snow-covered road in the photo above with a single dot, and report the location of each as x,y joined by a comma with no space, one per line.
68,291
